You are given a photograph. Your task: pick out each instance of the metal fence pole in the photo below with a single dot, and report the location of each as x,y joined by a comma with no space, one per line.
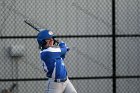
114,46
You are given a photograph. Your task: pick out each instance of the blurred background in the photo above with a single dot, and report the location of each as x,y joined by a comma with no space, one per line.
103,37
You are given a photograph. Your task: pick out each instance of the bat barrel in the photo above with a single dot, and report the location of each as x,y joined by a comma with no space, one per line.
30,24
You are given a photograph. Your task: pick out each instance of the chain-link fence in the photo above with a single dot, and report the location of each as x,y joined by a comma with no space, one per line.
95,63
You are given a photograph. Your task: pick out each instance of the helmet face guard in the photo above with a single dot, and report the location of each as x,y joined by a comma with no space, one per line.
56,42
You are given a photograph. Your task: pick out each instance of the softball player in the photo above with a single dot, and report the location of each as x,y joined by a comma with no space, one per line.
53,63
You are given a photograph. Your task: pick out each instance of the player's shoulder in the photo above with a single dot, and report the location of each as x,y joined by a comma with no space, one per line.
51,49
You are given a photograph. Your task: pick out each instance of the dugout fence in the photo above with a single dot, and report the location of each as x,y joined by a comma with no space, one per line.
103,36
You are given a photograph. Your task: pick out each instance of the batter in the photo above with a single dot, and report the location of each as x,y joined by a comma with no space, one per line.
53,63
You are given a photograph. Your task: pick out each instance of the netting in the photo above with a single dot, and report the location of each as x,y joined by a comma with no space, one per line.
86,27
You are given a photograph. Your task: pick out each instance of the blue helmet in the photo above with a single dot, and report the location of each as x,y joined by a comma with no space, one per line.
43,35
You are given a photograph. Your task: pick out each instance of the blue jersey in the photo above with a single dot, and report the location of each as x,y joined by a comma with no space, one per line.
53,61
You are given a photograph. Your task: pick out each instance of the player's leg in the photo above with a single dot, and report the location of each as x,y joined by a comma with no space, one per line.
69,88
53,87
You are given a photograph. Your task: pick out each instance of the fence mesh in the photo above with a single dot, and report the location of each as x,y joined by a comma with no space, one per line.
86,27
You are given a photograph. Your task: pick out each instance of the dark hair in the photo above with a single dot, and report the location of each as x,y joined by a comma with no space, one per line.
42,46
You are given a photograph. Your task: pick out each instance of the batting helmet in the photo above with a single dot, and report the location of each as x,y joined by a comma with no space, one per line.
43,35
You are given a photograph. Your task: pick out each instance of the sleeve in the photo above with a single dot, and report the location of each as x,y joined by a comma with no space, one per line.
63,48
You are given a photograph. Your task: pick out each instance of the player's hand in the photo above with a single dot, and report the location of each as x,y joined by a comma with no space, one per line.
62,45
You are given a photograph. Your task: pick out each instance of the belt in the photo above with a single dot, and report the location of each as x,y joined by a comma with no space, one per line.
60,80
57,80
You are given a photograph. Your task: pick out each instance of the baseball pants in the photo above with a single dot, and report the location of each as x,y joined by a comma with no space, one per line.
61,87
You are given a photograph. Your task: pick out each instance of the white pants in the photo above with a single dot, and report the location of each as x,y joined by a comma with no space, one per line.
62,87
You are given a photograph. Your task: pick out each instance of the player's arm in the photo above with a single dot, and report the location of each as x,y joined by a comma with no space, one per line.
63,48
